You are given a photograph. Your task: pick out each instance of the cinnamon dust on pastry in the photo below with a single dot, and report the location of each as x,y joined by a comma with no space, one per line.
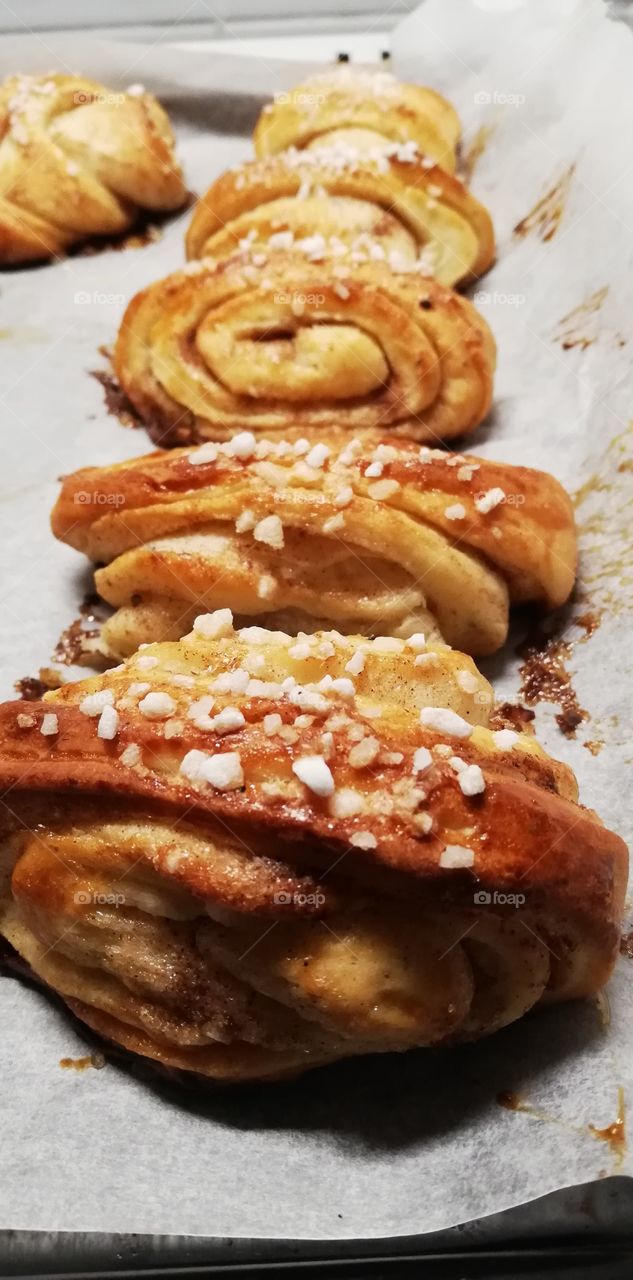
546,216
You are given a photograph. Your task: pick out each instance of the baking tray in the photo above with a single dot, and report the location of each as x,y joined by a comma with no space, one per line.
584,1232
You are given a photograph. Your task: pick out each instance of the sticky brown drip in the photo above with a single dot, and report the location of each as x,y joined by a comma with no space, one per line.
509,1100
546,216
512,1101
95,1060
614,1134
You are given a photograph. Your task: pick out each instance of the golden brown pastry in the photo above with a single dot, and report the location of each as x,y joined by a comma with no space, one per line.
365,535
243,856
78,160
361,108
274,341
389,205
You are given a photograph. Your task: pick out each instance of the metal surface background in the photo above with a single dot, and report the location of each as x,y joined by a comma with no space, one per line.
583,1231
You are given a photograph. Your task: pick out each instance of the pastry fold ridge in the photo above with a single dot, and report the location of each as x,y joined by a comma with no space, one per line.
242,856
78,160
361,108
273,341
390,204
363,534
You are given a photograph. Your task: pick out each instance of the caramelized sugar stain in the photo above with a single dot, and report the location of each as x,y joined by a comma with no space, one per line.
470,157
78,643
511,715
546,216
589,622
512,1101
95,1060
613,1134
147,229
626,945
22,335
30,688
144,234
569,330
605,528
116,401
544,677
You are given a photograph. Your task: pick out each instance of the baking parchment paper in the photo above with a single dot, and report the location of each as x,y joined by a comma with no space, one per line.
394,1144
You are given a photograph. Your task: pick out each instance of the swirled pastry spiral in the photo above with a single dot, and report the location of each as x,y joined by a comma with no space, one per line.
365,535
273,341
76,161
362,108
241,856
390,204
